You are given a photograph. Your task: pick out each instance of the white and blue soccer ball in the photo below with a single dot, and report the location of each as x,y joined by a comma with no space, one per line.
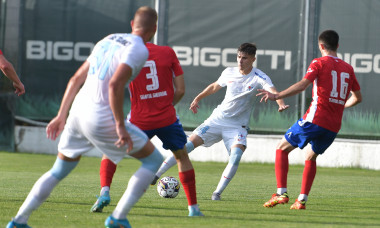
168,187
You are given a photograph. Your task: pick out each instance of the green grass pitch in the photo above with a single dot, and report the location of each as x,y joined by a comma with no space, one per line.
340,197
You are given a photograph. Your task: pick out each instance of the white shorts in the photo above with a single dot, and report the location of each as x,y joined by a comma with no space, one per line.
212,133
82,133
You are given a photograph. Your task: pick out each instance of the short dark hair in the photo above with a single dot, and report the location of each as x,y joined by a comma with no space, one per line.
248,48
330,39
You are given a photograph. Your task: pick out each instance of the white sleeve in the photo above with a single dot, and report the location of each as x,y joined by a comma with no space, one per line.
222,80
265,81
135,56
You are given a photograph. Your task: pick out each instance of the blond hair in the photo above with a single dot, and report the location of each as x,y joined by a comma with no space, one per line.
145,19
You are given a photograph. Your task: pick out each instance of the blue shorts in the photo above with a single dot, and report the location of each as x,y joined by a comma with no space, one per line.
302,133
172,137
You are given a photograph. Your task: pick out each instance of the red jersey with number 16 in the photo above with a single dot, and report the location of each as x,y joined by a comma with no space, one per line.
152,90
333,80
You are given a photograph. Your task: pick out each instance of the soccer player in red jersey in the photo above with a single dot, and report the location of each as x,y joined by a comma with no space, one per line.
333,80
152,109
9,71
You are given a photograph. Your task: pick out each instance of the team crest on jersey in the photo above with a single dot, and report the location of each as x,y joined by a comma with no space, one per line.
240,137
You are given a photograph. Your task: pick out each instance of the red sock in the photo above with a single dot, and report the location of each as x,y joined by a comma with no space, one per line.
107,170
281,168
187,179
308,176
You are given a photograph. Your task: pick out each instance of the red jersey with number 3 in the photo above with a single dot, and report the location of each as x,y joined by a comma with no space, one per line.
152,90
333,80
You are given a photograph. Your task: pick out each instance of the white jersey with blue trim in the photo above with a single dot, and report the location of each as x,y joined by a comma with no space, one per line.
107,55
236,108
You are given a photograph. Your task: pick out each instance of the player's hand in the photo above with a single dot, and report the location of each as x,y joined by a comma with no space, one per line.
194,106
55,127
19,88
124,138
283,107
265,95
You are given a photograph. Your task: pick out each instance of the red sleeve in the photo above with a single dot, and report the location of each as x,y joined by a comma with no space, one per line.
176,66
1,52
312,71
355,84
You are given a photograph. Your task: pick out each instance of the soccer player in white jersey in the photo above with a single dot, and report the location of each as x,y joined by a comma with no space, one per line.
97,120
230,120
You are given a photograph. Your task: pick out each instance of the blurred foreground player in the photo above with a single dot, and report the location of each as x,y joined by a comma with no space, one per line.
97,120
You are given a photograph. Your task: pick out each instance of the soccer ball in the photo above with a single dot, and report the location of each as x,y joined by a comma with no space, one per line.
168,187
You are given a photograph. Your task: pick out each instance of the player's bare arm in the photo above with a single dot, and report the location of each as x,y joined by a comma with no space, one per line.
179,88
355,98
116,99
56,125
292,90
211,89
281,103
10,73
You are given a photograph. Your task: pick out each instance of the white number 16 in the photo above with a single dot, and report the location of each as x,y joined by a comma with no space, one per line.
343,84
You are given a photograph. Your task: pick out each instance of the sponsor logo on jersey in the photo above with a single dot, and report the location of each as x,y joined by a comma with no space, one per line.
240,137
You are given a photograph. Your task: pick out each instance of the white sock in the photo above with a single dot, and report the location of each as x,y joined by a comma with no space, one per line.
166,165
194,206
230,170
39,193
104,189
281,191
228,173
302,197
137,186
170,161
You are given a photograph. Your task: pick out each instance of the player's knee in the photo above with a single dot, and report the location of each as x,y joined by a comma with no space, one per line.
189,146
235,156
62,168
153,161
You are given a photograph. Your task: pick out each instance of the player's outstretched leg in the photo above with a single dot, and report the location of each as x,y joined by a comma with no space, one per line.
228,173
41,191
170,162
13,224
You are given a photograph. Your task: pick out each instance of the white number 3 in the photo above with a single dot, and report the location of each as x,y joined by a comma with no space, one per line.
152,75
343,85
